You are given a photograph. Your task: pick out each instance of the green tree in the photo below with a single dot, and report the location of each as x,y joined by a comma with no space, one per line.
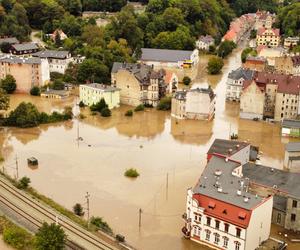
8,84
101,224
226,48
5,47
164,103
105,112
99,106
50,237
78,209
246,52
16,237
172,18
35,91
91,70
4,100
215,65
58,84
23,183
186,80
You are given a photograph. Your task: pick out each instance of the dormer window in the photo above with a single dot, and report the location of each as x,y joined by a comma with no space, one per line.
242,215
211,205
224,211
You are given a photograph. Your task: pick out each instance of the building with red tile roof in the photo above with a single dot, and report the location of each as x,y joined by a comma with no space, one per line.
221,212
268,37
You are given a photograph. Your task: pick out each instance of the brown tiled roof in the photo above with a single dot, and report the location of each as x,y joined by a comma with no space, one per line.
296,60
262,30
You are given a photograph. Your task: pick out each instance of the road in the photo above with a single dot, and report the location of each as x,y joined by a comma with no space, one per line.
36,213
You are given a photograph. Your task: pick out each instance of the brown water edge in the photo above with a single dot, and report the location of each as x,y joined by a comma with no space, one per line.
153,142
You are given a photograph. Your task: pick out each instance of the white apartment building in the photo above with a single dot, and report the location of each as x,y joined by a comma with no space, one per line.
221,213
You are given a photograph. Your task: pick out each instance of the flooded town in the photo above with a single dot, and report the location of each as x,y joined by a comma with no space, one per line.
213,138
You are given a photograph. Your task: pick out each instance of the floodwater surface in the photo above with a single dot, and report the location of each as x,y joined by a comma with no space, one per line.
169,154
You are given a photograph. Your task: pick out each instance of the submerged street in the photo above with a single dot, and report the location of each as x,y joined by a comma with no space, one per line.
169,154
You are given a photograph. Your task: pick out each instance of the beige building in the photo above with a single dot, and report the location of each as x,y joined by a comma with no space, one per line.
252,101
291,42
28,72
138,83
288,64
196,104
268,37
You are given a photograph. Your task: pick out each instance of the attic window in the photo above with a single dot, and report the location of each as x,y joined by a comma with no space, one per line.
224,211
242,215
211,205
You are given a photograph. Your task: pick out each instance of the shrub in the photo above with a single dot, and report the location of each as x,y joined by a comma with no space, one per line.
58,85
186,80
23,183
101,224
35,91
132,172
215,65
129,113
246,52
81,104
56,76
226,48
1,158
8,84
50,237
105,112
140,107
17,237
99,106
78,209
164,103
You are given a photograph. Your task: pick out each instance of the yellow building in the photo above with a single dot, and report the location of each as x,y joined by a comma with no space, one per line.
268,37
92,93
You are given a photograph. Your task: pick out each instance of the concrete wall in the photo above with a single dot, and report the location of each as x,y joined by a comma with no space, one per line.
242,156
292,225
252,102
178,108
286,106
259,225
278,217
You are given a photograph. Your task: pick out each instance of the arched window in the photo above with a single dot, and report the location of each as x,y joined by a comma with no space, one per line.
225,241
237,245
197,231
207,235
217,238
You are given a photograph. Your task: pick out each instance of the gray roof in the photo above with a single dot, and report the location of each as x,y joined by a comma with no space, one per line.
292,147
284,181
206,39
52,54
279,202
56,92
142,72
208,91
180,95
291,123
21,60
165,55
25,46
239,73
226,147
103,87
209,182
10,40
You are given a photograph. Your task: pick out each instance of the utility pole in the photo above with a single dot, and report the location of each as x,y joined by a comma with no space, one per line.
17,167
87,196
140,217
167,186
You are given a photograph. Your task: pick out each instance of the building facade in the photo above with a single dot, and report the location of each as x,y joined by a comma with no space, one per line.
291,42
171,80
195,104
92,93
221,213
204,42
290,128
58,60
268,37
24,48
255,63
288,64
28,72
234,84
138,83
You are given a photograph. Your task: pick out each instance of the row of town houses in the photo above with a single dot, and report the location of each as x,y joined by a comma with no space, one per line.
235,200
264,94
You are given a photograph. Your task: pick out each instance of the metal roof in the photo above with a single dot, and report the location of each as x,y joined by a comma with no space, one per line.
280,202
290,123
275,178
21,60
218,173
52,54
25,46
239,73
292,147
226,147
165,55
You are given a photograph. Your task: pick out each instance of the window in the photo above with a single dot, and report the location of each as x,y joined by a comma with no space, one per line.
278,218
217,238
197,231
293,217
208,220
197,218
217,224
294,203
237,245
224,211
238,232
226,228
207,235
225,241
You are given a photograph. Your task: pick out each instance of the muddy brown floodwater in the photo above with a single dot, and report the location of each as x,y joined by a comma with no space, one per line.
158,146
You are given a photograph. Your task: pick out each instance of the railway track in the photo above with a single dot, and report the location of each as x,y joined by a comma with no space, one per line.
63,222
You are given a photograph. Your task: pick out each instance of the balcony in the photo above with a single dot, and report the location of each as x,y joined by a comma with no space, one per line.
185,218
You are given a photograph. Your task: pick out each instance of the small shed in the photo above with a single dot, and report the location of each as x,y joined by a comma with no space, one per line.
32,161
290,128
292,154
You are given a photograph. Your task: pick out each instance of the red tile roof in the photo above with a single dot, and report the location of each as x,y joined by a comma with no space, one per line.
231,215
168,76
261,31
230,35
